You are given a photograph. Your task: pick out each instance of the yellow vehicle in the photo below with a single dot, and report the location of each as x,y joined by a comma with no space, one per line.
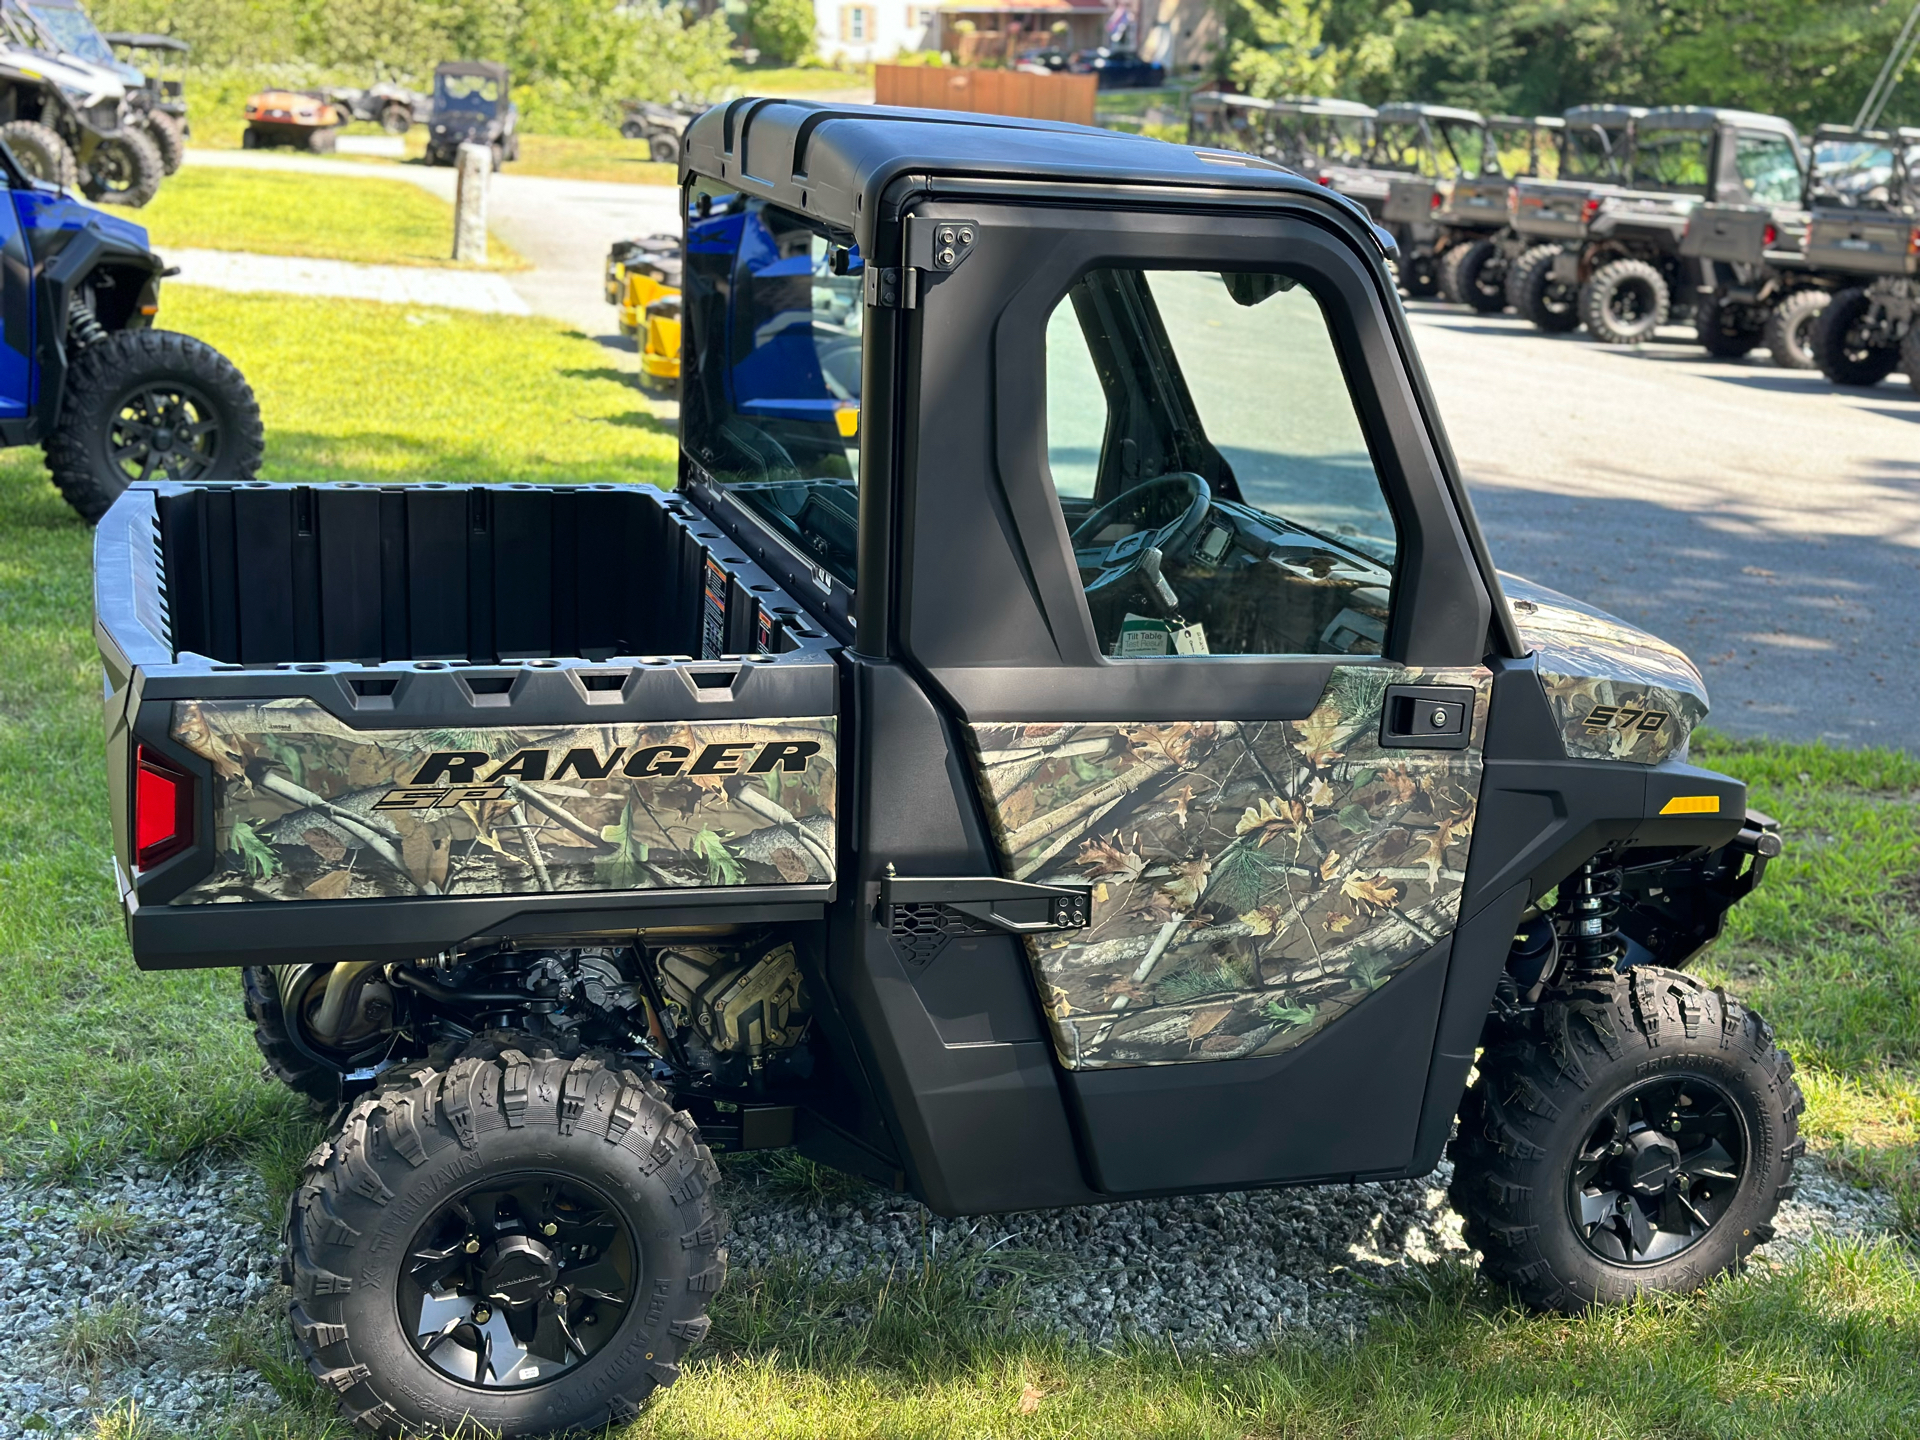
643,280
660,350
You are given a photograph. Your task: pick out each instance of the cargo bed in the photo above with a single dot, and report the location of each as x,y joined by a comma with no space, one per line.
381,722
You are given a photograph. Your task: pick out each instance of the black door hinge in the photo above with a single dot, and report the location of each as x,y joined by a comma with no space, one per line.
889,288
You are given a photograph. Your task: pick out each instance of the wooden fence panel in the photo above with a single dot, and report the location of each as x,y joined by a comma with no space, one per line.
990,92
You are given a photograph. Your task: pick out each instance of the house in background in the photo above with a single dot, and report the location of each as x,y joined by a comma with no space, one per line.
861,31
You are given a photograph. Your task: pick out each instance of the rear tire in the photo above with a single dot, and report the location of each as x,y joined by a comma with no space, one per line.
126,170
1584,1165
1727,331
42,153
396,119
1475,277
586,1152
165,132
1550,305
665,149
126,389
285,1061
1625,302
1790,328
1844,355
323,141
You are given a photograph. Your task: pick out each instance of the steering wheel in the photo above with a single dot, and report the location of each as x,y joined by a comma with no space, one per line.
1115,562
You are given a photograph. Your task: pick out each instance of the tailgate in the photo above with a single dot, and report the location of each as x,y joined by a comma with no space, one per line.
1740,234
396,807
1870,244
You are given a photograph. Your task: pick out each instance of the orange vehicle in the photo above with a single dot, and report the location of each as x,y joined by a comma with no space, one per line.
299,118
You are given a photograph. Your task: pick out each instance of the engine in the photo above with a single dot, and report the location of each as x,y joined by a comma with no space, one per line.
732,1011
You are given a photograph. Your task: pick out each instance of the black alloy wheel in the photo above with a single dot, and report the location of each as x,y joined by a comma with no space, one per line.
517,1279
1658,1170
167,430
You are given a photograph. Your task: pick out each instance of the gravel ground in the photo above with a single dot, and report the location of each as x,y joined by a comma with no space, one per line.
174,1258
149,1267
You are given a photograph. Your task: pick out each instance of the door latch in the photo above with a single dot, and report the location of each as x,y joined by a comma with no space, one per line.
922,914
1427,717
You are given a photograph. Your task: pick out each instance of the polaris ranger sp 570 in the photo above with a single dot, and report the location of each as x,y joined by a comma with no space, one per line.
1063,739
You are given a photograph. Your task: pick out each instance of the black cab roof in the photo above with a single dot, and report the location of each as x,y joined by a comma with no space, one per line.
493,69
834,163
1402,112
1704,117
1609,117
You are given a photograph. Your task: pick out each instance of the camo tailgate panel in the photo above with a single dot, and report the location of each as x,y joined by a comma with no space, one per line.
308,808
1253,881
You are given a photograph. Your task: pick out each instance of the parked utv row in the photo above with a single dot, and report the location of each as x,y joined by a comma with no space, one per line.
74,114
1620,219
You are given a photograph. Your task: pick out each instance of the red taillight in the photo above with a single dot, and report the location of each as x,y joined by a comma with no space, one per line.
1913,243
1433,201
1324,179
1767,237
1588,209
162,810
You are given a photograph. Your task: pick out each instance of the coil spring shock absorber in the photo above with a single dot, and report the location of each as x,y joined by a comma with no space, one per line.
1590,900
83,326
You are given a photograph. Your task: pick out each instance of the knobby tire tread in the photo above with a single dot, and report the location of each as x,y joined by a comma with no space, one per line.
1507,1186
351,1176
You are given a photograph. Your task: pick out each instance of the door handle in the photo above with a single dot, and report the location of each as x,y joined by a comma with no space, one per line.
1427,717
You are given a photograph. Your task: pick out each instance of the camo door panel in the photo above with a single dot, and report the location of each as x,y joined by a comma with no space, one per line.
308,808
1253,880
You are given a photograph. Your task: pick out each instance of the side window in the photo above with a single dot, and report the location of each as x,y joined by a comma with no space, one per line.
1769,168
1211,469
770,384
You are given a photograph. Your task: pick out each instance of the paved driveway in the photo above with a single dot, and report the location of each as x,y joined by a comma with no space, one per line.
1760,519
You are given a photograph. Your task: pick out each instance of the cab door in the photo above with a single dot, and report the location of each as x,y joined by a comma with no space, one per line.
1178,556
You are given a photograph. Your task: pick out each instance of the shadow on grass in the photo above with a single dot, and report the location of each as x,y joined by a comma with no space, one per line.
1819,1346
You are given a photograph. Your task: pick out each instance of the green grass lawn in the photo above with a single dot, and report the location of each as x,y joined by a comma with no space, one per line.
378,220
101,1063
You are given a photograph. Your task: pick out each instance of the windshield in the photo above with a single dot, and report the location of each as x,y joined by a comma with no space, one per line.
72,30
1401,145
1864,173
772,385
1343,138
1591,152
1467,143
466,92
1524,150
1672,159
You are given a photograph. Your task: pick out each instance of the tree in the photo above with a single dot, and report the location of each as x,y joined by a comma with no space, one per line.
783,29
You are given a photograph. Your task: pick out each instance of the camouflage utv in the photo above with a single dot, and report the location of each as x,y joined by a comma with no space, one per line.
1478,243
1865,238
1551,216
1079,749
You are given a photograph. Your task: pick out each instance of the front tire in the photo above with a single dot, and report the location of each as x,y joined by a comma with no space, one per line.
396,119
1639,1138
519,1244
1790,328
42,153
166,132
1625,302
126,170
151,405
1842,349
